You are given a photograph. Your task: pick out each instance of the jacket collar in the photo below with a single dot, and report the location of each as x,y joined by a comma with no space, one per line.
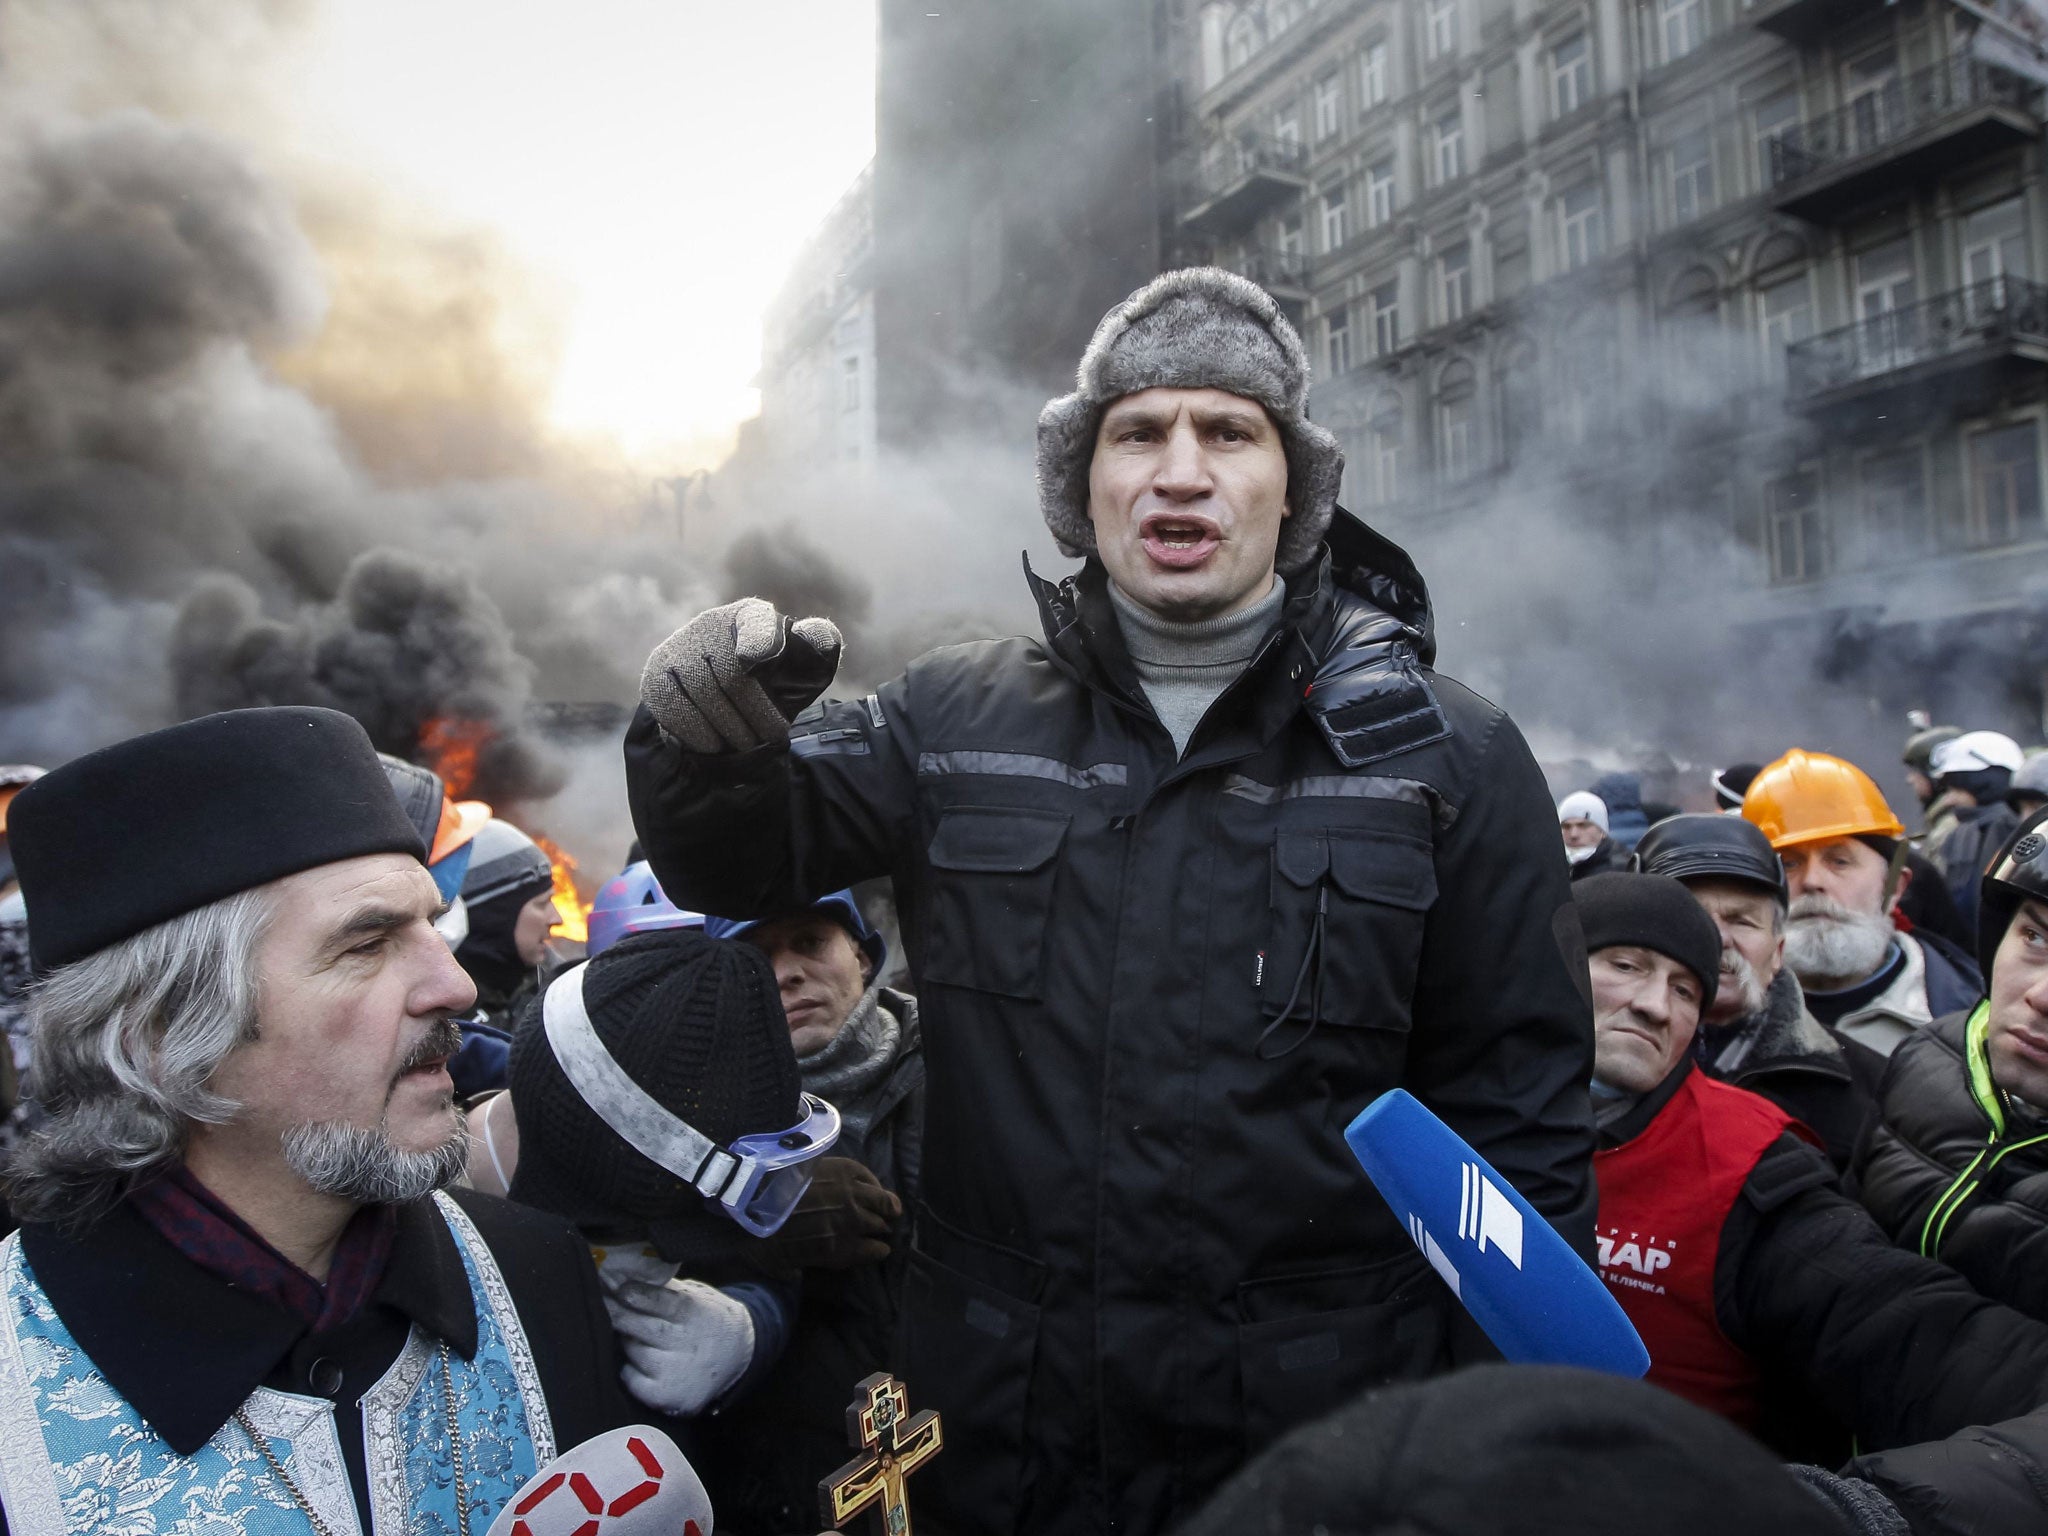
183,1346
1647,1108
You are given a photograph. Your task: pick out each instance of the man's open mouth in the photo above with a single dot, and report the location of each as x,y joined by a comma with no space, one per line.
1179,542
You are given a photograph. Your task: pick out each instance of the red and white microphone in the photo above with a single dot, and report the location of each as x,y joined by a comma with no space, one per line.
630,1482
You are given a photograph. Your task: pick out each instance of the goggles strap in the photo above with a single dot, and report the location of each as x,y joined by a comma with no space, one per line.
631,1112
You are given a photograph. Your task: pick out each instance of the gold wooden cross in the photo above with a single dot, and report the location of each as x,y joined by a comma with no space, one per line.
892,1444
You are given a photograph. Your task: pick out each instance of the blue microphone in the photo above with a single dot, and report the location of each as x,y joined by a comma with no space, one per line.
1538,1301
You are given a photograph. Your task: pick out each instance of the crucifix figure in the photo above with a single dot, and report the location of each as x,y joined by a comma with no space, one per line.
893,1444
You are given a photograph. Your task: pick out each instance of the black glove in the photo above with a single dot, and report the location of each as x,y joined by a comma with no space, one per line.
843,1221
734,677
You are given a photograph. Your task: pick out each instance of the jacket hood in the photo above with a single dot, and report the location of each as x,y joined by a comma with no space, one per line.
1621,791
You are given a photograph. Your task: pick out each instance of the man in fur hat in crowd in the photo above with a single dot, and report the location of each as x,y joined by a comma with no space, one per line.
237,1300
1185,885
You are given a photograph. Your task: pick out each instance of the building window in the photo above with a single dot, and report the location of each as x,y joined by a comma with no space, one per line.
849,388
1241,42
1691,160
1329,98
1784,316
1379,193
1772,118
1386,318
1372,76
1337,344
1454,282
2005,486
1683,25
1287,129
1521,402
1456,437
1792,526
1994,248
1571,74
1290,236
1449,134
1383,452
1280,15
1581,230
1440,28
1894,522
1336,218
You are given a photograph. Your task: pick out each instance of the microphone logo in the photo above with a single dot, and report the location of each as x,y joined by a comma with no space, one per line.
1486,1216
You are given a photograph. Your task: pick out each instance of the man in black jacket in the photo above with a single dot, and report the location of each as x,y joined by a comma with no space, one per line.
234,1277
1185,885
1957,1166
1756,1033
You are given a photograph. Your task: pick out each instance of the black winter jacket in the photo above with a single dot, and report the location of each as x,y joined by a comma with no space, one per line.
1852,1335
1786,1055
1991,1480
1956,1170
1154,994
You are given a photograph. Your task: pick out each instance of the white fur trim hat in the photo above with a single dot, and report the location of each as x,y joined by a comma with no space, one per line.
1198,328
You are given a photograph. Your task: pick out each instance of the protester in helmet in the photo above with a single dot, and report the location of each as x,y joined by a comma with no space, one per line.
1957,1165
646,1084
1761,1290
857,1044
1623,796
633,902
509,893
1582,822
1845,870
1937,809
2029,790
1757,1032
1975,771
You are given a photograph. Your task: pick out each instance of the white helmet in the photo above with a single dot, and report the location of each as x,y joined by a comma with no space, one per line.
1976,750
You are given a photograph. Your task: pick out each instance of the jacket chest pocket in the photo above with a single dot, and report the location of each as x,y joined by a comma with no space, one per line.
1345,933
992,873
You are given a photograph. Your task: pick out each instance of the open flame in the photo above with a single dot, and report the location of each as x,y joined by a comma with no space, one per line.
575,923
451,746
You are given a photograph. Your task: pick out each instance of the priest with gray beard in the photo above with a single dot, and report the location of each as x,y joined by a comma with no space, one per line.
236,1298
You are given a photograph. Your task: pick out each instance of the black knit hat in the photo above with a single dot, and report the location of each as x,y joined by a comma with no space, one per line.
1657,913
697,1023
1516,1450
162,824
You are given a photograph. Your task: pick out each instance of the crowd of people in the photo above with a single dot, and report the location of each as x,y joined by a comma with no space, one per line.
347,1201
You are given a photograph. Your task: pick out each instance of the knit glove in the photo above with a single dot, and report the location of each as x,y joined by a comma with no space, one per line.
685,1342
734,677
843,1221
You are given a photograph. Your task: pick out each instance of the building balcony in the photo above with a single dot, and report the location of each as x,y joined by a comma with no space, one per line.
1238,178
1284,274
1911,129
1943,346
1801,21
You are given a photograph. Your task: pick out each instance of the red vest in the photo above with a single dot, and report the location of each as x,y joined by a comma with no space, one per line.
1663,1200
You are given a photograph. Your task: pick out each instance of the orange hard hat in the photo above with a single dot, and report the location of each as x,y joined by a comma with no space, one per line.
459,821
6,798
1809,797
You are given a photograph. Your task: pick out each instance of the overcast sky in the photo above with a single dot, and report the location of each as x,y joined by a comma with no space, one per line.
659,162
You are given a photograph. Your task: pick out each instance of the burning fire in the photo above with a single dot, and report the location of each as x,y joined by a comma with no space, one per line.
451,746
575,923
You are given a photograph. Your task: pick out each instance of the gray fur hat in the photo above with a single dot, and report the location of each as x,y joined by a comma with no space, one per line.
1198,328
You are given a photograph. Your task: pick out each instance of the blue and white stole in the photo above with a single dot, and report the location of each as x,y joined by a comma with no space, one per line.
75,1457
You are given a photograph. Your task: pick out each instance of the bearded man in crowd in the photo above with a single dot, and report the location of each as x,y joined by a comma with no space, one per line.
1845,868
236,1293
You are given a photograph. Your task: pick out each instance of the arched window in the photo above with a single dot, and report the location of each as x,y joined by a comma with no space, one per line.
1383,427
1457,421
1780,250
1280,15
1241,41
1696,292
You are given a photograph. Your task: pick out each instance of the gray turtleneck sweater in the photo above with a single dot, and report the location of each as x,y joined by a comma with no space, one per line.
1184,668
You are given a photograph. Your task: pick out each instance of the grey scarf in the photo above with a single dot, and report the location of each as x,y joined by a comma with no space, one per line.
850,1069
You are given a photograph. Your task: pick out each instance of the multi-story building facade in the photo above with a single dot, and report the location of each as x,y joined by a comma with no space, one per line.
1765,265
817,378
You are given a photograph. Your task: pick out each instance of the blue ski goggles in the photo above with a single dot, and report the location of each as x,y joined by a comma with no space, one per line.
757,1180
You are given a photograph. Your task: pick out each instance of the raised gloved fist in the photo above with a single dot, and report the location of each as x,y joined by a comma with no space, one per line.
685,1342
734,677
844,1220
